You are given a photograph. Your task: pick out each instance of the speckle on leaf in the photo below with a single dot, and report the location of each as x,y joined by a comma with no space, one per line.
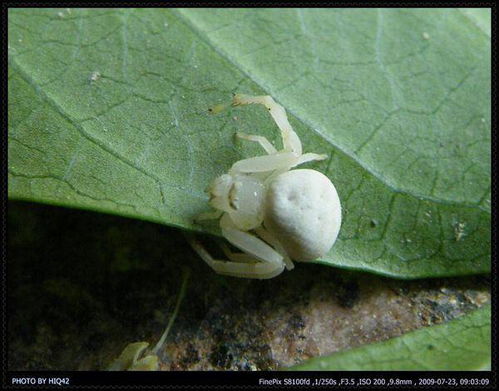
459,231
217,108
94,76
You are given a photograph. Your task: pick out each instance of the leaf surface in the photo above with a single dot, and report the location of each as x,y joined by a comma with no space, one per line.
108,111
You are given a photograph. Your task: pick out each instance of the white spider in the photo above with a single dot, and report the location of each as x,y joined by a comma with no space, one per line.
270,212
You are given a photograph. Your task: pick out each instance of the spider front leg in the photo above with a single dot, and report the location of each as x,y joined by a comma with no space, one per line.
264,143
276,161
291,141
309,157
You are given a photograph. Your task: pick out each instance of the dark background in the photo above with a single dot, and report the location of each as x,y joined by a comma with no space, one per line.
82,285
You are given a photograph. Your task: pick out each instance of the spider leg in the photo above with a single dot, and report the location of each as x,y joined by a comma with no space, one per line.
260,270
265,261
264,143
279,160
290,139
236,257
269,238
309,157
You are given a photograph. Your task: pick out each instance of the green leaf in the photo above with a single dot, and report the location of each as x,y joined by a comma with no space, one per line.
461,344
108,110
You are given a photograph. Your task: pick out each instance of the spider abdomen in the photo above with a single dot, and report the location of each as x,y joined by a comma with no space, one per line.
303,211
